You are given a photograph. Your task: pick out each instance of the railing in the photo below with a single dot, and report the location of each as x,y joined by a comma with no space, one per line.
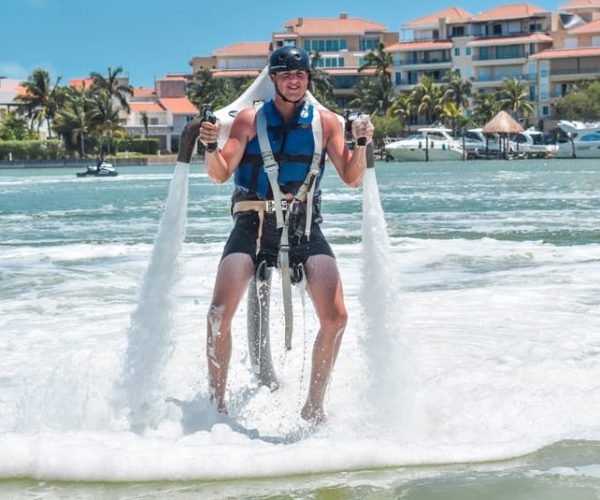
575,71
499,78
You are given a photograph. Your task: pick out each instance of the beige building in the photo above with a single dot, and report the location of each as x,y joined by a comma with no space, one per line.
239,59
575,54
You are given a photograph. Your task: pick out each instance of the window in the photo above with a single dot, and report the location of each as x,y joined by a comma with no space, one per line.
456,51
398,78
458,31
436,34
369,43
596,41
330,62
289,43
570,43
509,52
467,51
326,45
497,29
535,27
484,53
153,121
590,137
545,110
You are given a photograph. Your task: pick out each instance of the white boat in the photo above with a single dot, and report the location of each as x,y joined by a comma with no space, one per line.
431,143
478,144
584,137
531,144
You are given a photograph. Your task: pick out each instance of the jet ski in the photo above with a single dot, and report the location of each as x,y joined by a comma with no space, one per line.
102,170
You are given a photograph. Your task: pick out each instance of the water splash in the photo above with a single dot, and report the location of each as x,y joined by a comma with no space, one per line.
149,335
388,359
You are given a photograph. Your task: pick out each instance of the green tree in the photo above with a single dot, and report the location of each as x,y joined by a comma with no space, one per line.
456,90
402,109
372,95
145,121
75,120
380,60
513,96
40,98
217,92
13,127
321,85
582,102
451,114
111,84
486,106
105,118
427,98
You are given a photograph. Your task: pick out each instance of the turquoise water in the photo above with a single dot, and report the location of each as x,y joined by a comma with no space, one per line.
496,268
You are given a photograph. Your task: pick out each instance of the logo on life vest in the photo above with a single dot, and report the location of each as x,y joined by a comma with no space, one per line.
304,112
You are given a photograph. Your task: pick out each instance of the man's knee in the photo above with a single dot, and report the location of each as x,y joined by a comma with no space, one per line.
335,319
217,322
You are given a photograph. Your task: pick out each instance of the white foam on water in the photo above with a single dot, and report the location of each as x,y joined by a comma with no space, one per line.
150,333
494,354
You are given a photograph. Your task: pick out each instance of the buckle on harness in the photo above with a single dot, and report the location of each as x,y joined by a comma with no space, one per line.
270,206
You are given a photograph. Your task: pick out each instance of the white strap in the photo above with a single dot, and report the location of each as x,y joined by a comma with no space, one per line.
270,165
315,167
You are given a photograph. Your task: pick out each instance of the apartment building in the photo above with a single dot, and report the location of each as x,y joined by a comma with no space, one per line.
10,89
237,60
342,44
166,108
575,54
504,42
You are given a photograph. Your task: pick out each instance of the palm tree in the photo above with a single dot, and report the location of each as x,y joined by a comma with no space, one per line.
456,89
373,96
13,127
513,96
486,106
111,85
382,62
76,118
427,97
451,112
321,85
144,116
106,120
40,97
402,107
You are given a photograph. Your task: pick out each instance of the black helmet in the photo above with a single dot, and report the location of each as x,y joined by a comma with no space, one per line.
289,59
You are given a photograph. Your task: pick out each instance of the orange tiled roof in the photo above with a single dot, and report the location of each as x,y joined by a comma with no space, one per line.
148,107
244,49
580,4
80,82
567,53
592,27
235,72
510,40
172,79
329,25
179,105
451,13
428,45
510,11
139,92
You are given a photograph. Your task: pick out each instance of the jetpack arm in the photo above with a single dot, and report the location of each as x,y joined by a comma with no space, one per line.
189,136
350,117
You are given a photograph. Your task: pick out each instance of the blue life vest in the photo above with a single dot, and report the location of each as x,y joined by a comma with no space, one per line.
293,147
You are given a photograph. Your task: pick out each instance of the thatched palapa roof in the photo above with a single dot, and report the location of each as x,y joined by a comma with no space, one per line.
502,123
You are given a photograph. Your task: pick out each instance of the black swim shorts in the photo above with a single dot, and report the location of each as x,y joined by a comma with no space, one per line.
245,232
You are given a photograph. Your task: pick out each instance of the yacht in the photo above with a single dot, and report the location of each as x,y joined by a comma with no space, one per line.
584,137
531,143
477,144
431,143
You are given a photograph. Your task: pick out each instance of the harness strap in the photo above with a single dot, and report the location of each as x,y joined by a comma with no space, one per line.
307,190
270,165
305,193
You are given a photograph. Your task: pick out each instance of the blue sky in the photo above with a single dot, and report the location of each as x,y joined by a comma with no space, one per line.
151,38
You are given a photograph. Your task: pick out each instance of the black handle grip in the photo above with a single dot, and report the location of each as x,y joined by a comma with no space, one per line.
209,116
361,141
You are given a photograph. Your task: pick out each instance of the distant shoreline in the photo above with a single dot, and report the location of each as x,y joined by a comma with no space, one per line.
67,163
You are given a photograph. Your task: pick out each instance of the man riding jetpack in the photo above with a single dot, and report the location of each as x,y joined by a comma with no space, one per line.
276,154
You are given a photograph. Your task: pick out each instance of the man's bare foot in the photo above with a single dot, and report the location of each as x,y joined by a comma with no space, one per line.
313,414
219,404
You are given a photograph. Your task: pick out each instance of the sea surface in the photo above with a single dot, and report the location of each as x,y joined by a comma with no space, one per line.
470,367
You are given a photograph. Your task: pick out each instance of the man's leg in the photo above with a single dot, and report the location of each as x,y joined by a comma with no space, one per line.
325,288
233,276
